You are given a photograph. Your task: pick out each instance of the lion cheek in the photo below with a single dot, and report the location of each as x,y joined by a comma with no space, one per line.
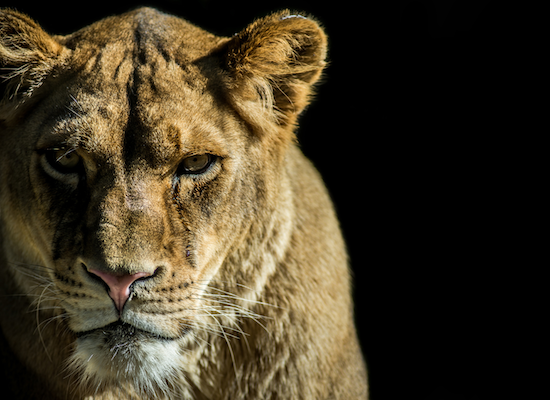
212,250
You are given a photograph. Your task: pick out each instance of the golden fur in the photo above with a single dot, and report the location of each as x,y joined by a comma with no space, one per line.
143,144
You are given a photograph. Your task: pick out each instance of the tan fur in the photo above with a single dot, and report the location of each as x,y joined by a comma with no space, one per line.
249,296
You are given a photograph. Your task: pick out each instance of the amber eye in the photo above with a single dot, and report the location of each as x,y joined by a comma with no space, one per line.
197,164
64,161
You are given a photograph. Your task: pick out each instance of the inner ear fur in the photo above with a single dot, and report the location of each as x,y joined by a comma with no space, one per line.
273,64
27,56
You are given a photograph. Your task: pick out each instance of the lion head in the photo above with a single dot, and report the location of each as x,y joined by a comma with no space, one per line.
145,196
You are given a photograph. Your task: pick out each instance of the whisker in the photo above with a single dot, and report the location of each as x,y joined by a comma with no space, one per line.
28,265
38,323
69,151
218,331
48,321
229,306
34,275
225,336
20,295
234,296
213,297
236,311
49,308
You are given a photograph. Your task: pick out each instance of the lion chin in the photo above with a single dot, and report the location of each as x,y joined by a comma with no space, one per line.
122,355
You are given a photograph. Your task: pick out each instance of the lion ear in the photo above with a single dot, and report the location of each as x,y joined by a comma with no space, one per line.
273,64
27,56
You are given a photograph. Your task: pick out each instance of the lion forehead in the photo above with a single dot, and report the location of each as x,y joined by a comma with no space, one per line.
151,111
145,33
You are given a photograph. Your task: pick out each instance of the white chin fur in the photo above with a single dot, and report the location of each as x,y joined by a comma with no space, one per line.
128,362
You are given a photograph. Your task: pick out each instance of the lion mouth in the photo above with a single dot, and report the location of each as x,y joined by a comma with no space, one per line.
121,332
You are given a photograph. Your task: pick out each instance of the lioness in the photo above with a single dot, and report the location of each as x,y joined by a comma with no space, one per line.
162,236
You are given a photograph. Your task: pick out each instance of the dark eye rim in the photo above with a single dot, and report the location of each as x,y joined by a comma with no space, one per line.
52,159
212,159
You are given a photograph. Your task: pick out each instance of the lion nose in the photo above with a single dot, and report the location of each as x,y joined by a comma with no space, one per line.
119,285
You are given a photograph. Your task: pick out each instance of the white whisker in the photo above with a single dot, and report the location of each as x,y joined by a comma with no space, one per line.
38,322
225,336
46,322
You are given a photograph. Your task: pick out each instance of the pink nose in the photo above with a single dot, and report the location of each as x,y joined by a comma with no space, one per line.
119,285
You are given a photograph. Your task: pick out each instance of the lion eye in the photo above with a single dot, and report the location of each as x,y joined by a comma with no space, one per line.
197,164
63,160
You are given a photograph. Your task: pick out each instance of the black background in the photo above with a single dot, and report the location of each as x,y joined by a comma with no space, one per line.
403,132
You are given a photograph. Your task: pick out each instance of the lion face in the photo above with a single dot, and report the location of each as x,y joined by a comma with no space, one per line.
133,190
147,154
139,187
138,197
